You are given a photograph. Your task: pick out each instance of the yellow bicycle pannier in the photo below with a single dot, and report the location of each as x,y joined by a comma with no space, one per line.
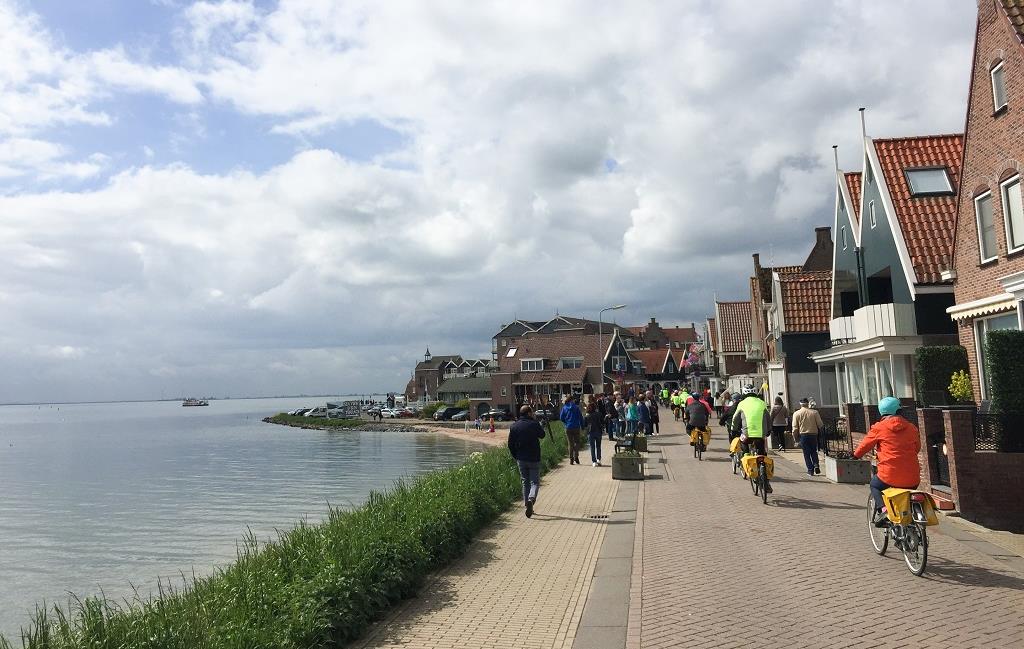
898,506
693,436
749,463
734,445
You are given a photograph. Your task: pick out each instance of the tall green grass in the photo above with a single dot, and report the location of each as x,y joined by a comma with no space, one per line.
318,585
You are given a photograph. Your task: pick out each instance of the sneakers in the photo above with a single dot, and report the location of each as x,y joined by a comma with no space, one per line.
529,508
817,471
881,519
595,464
599,463
768,487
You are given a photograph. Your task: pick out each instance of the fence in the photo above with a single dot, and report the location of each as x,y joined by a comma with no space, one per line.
999,432
835,439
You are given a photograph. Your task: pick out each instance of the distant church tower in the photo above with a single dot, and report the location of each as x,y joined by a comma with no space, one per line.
427,357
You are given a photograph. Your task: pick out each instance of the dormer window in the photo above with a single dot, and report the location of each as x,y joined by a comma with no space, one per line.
998,87
930,181
532,364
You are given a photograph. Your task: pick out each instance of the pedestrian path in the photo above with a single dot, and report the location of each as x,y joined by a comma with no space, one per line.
720,569
523,582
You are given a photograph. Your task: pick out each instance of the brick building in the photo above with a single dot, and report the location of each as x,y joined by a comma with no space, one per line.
733,327
989,252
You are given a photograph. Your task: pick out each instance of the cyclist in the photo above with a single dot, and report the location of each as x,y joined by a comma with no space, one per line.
697,417
751,420
898,443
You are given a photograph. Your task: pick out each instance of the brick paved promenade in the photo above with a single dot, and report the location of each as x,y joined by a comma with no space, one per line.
702,547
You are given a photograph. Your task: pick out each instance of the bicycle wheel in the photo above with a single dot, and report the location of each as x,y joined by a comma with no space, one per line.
915,548
762,477
879,535
698,448
735,463
753,484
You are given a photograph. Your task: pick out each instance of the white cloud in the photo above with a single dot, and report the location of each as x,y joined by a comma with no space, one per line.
720,117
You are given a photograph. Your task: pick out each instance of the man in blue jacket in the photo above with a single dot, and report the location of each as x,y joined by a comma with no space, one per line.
524,444
572,417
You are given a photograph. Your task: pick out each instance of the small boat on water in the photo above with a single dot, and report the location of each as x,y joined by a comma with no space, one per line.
195,402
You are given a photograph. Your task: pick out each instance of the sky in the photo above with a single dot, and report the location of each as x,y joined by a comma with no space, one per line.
255,198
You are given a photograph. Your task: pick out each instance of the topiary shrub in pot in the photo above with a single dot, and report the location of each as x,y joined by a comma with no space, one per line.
935,363
1004,355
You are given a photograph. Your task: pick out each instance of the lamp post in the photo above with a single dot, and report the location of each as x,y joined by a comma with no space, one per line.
600,341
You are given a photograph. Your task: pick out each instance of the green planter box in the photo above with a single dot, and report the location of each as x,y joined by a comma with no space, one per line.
627,467
640,444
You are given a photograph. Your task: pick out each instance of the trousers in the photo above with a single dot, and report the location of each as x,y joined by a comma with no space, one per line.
530,474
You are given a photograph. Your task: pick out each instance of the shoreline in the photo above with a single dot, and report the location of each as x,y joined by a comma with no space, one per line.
481,436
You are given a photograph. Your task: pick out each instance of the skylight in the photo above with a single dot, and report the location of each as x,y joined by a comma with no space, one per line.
925,182
511,352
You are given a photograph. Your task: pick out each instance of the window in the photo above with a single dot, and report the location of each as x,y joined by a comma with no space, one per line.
871,214
986,227
504,342
619,363
504,391
533,364
982,327
998,87
1013,211
571,363
870,381
637,368
511,352
928,182
843,231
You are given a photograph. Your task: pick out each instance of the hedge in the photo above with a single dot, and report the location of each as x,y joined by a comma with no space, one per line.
1004,354
935,366
317,585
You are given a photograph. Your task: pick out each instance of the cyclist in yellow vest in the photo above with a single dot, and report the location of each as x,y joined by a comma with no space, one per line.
675,404
751,421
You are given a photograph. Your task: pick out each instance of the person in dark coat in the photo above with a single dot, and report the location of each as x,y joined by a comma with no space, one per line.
524,444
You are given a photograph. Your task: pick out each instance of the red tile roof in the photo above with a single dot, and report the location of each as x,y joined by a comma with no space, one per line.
653,359
1015,13
735,320
853,185
681,335
806,300
927,222
713,333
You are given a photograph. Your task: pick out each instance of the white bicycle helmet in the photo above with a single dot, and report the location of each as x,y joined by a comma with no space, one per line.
749,389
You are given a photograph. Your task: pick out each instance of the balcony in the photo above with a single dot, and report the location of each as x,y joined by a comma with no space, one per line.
873,321
754,351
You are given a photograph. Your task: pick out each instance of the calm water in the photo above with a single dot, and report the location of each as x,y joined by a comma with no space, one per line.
102,496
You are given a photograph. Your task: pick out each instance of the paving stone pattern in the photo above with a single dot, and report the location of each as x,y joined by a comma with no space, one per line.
523,583
720,569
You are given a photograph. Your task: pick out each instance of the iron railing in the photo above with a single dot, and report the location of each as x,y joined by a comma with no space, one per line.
835,439
855,418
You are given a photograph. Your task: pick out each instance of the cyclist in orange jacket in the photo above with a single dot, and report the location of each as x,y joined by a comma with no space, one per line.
897,442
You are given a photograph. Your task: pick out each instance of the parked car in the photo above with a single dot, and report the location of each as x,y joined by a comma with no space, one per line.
444,414
298,412
405,412
461,415
320,412
388,413
498,414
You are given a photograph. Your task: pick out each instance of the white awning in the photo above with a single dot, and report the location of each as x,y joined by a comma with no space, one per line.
984,306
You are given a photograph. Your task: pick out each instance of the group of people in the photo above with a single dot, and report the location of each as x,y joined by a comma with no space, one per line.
608,414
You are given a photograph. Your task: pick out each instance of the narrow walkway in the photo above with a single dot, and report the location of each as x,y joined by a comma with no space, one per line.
523,582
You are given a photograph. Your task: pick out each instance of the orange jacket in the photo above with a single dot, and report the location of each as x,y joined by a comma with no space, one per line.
898,443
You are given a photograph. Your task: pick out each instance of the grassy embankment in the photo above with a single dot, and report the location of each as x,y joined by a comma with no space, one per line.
318,585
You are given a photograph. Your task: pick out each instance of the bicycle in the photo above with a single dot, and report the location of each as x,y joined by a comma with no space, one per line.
698,442
908,513
758,481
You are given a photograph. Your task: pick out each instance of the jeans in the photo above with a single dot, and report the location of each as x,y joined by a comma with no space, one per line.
779,437
810,445
530,473
631,426
595,448
612,426
573,435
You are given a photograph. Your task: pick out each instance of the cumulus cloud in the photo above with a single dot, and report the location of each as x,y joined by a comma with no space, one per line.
557,156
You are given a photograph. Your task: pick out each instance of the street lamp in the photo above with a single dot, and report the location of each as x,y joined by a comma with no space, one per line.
600,342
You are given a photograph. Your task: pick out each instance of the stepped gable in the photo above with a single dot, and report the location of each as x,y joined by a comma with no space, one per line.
927,222
806,300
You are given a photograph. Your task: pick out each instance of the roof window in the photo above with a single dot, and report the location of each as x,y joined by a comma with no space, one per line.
932,181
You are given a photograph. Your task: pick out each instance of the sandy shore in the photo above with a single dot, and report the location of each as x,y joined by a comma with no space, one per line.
497,438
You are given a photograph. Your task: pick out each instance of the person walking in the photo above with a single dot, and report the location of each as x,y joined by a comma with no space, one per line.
620,412
807,425
595,430
572,417
780,422
524,444
644,416
632,416
655,417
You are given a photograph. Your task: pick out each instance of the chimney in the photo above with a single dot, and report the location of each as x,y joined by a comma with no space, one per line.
757,262
823,236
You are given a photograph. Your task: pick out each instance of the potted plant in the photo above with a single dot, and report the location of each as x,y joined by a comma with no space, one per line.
640,442
840,465
627,465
